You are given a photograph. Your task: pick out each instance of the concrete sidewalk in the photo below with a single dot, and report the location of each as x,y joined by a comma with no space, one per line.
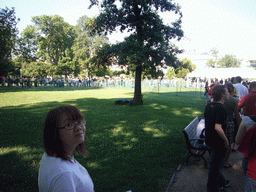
193,177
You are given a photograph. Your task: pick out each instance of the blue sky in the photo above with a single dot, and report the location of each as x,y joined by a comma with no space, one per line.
227,25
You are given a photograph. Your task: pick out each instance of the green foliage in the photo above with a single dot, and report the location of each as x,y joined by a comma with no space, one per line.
27,45
36,69
8,34
149,42
229,61
170,73
17,65
88,48
55,36
67,66
211,63
186,66
182,72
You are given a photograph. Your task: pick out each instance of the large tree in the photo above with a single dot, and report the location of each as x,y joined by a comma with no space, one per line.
87,46
55,37
27,44
8,34
148,46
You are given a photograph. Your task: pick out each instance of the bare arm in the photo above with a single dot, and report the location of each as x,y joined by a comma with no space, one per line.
240,133
221,133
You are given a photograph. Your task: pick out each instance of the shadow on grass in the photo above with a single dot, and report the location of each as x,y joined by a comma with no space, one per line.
18,173
131,148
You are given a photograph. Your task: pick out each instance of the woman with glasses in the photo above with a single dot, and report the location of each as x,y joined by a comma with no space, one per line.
64,135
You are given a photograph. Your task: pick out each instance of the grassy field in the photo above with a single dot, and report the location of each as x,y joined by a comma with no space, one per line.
131,147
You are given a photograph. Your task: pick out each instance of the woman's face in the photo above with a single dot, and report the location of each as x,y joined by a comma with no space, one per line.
71,138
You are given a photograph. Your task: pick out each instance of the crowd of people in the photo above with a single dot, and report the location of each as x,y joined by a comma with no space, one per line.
46,82
96,82
99,82
230,121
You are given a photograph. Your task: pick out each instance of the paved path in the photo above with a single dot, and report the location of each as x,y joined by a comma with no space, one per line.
193,177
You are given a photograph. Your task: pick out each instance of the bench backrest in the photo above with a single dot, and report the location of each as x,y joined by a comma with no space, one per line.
191,128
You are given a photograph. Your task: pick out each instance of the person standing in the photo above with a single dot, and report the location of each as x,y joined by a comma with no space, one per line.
242,90
248,101
247,144
230,132
208,98
35,81
215,125
28,82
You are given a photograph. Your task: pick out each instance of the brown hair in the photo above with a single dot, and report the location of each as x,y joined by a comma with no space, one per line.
230,88
51,139
217,92
238,79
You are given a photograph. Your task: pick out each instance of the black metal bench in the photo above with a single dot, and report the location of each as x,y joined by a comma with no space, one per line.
196,146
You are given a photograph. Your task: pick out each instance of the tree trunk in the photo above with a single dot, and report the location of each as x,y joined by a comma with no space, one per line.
137,100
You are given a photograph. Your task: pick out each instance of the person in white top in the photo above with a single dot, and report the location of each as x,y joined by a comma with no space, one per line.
64,135
242,90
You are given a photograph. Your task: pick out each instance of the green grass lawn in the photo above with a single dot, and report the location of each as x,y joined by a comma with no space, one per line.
131,147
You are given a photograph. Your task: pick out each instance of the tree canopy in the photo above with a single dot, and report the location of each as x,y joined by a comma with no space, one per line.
27,45
170,73
227,61
67,49
55,36
8,34
186,66
149,44
87,47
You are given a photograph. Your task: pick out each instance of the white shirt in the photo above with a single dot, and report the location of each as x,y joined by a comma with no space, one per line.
56,174
242,90
200,127
248,122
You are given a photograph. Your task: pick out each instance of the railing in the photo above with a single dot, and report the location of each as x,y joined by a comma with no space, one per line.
155,85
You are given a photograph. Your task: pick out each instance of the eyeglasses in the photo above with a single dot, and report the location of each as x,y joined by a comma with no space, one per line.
71,126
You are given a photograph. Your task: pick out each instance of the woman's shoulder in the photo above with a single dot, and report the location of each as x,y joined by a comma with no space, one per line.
56,163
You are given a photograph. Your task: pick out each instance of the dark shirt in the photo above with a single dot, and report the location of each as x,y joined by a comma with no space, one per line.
215,113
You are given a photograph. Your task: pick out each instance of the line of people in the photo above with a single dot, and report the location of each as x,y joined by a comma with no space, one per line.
45,82
230,119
